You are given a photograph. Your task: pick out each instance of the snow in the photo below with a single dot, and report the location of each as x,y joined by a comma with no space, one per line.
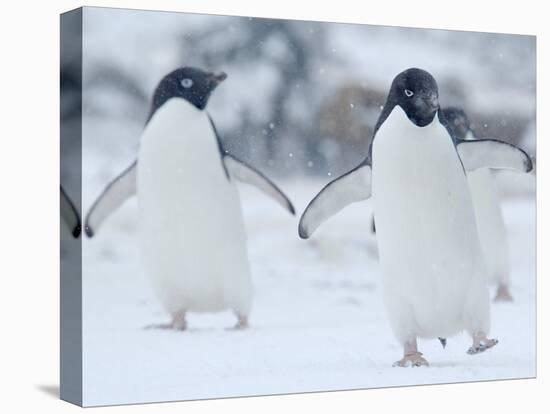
318,321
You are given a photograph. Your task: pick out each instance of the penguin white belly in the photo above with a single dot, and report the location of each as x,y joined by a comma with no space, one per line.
192,231
433,275
490,223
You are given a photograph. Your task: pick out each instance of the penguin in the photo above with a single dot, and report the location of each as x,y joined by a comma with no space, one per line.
433,277
69,214
490,223
191,229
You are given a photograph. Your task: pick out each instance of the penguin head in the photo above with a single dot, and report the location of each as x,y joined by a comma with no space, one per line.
192,84
456,121
416,91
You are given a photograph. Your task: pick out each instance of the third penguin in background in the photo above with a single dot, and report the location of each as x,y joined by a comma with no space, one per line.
490,223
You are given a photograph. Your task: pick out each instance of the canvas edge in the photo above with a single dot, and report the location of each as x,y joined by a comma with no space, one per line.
71,266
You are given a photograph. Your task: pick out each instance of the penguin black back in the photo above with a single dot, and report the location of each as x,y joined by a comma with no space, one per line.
456,121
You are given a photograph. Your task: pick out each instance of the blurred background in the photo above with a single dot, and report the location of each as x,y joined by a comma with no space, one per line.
301,97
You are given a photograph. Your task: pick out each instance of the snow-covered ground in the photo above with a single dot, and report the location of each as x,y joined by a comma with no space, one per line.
318,322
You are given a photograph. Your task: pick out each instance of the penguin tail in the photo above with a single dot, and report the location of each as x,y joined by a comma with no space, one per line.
443,342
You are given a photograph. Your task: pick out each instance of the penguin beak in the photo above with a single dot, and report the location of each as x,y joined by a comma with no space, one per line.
217,78
432,101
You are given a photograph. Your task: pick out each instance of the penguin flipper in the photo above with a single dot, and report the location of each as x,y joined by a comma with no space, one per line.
491,153
247,174
117,192
353,186
69,213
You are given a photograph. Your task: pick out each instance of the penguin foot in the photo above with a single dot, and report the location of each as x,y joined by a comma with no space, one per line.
412,360
164,326
242,323
481,344
179,323
503,294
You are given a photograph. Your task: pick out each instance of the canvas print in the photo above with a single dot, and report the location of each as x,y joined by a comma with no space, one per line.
257,206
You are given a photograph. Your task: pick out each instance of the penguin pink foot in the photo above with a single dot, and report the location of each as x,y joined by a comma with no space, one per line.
412,360
481,344
411,357
242,323
503,294
164,326
179,323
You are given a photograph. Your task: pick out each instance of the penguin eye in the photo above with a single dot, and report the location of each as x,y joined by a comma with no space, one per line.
186,83
409,93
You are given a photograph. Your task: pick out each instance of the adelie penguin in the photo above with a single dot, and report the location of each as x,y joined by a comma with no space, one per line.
434,277
490,224
191,228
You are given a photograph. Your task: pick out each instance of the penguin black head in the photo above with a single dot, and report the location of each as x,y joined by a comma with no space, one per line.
415,90
456,121
192,84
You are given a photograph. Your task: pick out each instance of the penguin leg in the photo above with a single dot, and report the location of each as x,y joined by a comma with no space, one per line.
179,323
503,293
242,322
411,356
477,314
239,298
481,343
